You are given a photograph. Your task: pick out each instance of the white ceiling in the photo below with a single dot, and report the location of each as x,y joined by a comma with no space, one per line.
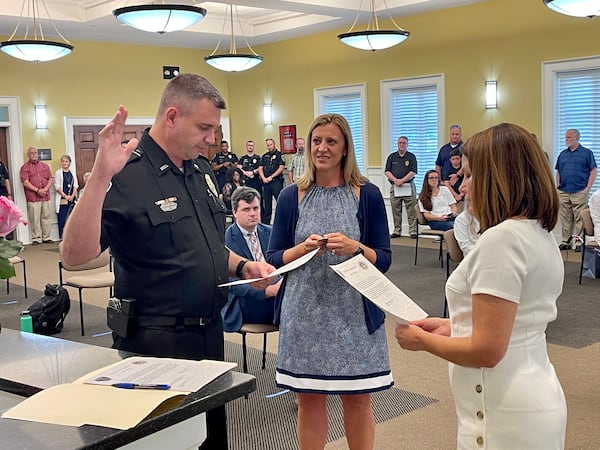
262,21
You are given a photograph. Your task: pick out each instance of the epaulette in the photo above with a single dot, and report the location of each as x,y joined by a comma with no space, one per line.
135,155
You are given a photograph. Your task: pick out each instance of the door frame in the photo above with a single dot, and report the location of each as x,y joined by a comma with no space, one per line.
15,157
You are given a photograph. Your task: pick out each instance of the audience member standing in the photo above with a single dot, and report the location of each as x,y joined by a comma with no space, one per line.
331,340
65,184
575,175
5,190
442,163
595,213
298,163
455,173
270,170
250,239
221,162
249,164
37,180
400,170
501,298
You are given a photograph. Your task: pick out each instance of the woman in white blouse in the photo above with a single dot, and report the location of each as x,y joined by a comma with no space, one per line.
66,187
437,203
501,298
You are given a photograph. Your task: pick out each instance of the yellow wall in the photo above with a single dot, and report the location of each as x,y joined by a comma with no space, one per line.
505,40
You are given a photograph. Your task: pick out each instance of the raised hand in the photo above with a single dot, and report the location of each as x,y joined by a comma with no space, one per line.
111,156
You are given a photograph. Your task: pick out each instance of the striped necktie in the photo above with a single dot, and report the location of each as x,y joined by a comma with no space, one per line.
255,247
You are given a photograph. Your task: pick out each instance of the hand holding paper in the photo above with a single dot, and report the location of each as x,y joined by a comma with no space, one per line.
370,282
283,269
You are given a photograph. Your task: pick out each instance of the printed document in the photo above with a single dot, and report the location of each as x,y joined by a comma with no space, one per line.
370,282
403,191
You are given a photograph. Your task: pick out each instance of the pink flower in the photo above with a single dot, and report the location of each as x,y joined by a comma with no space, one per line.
10,216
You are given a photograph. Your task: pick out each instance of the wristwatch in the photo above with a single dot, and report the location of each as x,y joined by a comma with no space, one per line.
240,267
360,251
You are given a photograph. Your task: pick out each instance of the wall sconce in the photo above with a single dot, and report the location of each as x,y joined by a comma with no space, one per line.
491,95
41,119
267,114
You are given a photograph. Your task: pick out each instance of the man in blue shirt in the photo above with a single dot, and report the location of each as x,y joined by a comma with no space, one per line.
443,166
575,175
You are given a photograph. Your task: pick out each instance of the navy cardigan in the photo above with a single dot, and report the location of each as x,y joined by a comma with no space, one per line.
374,233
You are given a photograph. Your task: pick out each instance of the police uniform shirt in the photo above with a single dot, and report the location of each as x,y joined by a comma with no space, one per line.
166,232
401,165
3,177
251,163
270,162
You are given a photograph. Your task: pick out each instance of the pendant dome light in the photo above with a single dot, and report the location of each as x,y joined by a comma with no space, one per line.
160,17
577,8
373,38
233,61
35,48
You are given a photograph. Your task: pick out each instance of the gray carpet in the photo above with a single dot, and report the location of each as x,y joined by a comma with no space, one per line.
268,421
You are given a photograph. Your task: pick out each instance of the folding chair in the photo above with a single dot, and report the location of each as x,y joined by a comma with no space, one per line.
421,221
588,230
14,260
454,254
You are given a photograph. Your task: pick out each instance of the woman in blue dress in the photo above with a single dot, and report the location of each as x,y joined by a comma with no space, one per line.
331,339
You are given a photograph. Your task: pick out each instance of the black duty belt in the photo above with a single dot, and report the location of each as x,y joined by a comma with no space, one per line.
172,321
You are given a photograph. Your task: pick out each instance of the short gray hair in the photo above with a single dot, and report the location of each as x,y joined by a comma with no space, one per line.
244,193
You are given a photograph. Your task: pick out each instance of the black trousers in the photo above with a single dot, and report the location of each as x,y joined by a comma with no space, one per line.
270,190
196,342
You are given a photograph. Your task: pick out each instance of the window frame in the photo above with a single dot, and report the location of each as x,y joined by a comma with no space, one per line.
319,94
388,142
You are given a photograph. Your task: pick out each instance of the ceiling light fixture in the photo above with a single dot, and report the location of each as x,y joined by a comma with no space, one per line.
373,38
35,48
160,17
233,61
577,8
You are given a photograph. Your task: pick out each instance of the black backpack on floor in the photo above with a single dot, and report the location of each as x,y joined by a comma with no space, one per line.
49,312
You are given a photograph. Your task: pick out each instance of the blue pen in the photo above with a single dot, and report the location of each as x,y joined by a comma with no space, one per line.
160,387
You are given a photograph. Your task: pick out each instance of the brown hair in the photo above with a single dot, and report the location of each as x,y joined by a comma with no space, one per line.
426,192
352,175
510,177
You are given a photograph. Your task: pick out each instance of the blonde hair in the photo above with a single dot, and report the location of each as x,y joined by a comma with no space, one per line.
510,177
352,175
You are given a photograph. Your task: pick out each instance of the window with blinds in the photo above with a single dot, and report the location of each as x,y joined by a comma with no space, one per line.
577,105
412,108
348,101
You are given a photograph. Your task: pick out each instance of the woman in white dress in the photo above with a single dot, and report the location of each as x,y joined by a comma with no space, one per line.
501,298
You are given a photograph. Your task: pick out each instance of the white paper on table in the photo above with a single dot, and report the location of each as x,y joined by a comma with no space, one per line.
182,375
363,276
298,262
403,191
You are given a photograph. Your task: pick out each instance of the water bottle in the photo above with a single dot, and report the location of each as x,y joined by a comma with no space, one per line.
26,322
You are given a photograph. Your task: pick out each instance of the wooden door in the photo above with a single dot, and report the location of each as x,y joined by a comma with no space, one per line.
86,145
216,147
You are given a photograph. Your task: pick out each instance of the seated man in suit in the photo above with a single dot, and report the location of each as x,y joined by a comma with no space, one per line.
248,238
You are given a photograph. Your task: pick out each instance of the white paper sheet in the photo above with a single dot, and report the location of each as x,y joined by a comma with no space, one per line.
370,282
283,269
403,191
182,375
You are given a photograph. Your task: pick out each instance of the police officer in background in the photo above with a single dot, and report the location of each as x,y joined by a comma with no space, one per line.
249,165
270,170
221,162
156,206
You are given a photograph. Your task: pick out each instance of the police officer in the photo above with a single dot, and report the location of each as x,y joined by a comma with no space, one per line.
4,182
221,162
270,170
156,206
249,164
